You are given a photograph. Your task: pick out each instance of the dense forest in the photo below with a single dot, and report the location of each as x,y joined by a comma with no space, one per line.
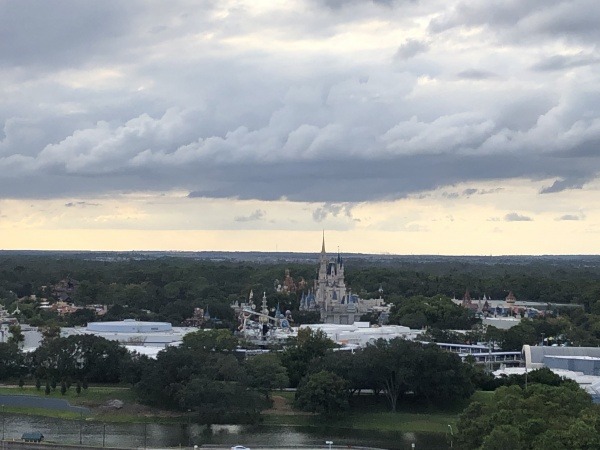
168,288
155,282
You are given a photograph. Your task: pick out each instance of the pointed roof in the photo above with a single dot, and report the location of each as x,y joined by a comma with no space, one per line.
511,297
323,246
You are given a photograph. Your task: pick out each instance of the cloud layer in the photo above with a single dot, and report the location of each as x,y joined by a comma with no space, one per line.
316,101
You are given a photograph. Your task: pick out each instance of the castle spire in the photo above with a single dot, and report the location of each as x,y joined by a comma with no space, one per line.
323,246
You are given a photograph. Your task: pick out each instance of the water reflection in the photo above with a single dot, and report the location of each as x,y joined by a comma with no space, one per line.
174,435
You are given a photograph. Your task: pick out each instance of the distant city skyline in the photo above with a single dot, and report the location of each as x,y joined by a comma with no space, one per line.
397,126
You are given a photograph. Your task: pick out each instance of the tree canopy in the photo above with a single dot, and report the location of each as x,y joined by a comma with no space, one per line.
540,417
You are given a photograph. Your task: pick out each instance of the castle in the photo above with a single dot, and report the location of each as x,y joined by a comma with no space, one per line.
331,297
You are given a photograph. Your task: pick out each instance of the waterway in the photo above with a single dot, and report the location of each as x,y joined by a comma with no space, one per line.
140,435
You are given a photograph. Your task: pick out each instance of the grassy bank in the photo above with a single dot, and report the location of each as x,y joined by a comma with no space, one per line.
384,421
367,413
96,399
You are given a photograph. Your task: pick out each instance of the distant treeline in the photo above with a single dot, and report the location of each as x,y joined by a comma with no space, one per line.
169,288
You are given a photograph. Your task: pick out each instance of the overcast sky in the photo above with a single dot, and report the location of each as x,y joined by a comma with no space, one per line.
397,126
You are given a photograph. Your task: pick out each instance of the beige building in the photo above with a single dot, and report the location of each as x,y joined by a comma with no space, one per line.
330,295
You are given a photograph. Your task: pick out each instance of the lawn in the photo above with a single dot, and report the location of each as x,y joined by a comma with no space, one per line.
370,413
95,398
367,412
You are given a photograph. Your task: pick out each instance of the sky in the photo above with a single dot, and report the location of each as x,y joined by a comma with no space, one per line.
395,126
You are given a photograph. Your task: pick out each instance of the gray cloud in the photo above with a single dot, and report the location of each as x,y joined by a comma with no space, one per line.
475,74
563,185
258,214
523,22
411,48
450,195
470,192
569,217
187,100
561,62
66,33
515,217
329,209
338,4
80,204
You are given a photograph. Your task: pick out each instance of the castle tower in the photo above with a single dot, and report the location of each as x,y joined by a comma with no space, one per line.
330,287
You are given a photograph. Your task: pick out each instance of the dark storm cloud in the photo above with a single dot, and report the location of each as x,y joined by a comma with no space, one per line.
515,217
310,163
226,102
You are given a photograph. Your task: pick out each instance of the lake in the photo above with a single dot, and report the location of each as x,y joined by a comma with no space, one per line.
173,435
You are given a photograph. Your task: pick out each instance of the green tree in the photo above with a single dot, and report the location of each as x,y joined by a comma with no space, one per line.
210,340
436,311
265,373
11,360
78,357
503,437
349,366
297,357
16,335
323,392
50,332
557,416
391,364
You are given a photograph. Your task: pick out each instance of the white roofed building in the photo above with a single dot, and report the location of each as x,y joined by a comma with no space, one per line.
133,332
360,334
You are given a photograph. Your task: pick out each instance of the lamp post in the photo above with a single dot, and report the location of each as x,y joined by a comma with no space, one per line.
189,427
329,443
2,422
103,434
451,435
80,427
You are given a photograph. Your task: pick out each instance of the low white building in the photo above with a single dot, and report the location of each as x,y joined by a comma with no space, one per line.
589,383
360,334
131,332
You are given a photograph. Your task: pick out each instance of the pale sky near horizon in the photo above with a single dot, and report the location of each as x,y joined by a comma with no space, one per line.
397,126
